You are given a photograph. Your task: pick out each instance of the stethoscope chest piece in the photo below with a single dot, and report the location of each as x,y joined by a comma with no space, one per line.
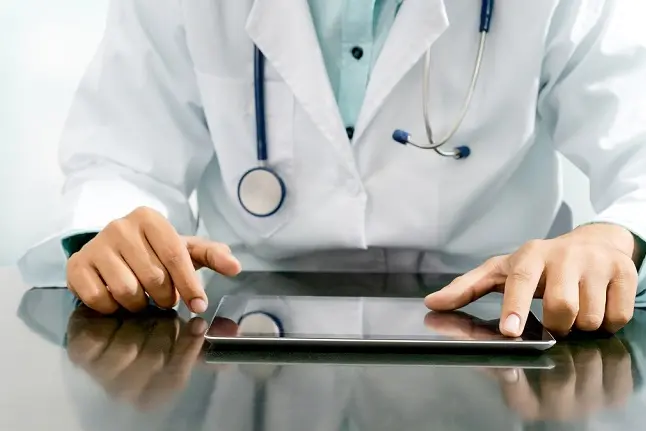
259,324
261,192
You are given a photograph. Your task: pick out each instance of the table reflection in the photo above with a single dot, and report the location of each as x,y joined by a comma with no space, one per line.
139,359
590,377
155,372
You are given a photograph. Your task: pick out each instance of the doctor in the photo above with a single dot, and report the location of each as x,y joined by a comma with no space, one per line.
283,116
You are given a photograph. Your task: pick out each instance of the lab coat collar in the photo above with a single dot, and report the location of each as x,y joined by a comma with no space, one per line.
284,31
418,25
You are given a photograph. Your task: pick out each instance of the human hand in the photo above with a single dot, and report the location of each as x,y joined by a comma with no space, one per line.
586,278
142,255
142,359
591,378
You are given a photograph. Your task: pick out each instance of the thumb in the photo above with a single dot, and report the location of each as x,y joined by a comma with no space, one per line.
212,255
468,287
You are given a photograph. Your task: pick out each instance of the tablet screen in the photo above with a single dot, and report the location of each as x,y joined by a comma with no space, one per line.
361,318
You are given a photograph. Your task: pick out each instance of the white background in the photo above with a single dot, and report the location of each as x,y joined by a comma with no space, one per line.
45,46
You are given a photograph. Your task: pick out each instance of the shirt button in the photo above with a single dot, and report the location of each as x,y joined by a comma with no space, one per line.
357,52
349,131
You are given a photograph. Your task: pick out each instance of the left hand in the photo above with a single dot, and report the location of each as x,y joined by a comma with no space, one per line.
141,359
587,279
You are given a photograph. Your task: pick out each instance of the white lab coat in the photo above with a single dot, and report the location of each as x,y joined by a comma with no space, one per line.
166,108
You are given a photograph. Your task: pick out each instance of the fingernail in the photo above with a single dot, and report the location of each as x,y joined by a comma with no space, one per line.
199,327
512,324
198,305
510,376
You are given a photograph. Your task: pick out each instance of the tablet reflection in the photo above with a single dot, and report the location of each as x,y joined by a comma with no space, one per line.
462,326
147,361
291,388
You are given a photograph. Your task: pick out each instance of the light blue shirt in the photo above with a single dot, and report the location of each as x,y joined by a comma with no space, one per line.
351,34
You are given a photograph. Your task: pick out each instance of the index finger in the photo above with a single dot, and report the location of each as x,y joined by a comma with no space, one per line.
468,287
173,254
523,275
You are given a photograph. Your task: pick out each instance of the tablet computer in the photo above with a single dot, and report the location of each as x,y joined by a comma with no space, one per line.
250,321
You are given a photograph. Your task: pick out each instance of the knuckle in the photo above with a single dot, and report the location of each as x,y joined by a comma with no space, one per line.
625,270
172,256
532,246
121,227
166,301
520,274
561,305
222,248
620,317
494,262
93,297
152,277
74,264
143,213
123,289
589,321
211,256
457,280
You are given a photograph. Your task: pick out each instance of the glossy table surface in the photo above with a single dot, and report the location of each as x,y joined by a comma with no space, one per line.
65,367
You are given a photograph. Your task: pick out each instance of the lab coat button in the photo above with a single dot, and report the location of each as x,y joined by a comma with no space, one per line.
357,52
349,131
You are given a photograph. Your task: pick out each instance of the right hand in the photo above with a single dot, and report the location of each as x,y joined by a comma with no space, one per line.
141,254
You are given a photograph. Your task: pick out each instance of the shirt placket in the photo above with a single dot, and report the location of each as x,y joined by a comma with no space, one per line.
357,44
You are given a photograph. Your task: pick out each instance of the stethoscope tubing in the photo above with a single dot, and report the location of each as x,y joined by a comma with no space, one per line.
266,183
461,152
259,97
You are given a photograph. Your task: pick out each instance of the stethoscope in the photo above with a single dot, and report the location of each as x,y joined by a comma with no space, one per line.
261,190
261,322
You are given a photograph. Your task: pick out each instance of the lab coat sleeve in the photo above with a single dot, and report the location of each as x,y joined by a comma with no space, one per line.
593,104
136,134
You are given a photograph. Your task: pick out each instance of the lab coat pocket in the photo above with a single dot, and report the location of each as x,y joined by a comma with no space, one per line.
230,114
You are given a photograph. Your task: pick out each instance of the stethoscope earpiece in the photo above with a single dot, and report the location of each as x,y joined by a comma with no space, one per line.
461,152
458,153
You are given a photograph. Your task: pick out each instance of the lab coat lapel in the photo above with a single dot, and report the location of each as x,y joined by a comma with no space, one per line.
284,31
418,25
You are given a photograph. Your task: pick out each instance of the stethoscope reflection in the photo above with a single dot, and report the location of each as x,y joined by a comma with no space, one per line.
591,375
457,325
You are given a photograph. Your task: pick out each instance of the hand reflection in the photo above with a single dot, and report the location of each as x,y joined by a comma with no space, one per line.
141,359
461,326
587,379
